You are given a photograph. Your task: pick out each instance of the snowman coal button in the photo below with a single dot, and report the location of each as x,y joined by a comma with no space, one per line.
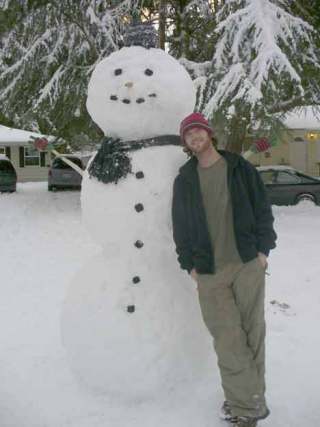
140,100
130,308
126,101
136,279
138,244
113,97
139,175
139,207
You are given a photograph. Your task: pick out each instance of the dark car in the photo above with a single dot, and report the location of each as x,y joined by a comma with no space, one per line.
8,175
287,186
61,175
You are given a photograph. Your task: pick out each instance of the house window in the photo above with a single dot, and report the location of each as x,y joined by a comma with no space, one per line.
31,156
2,150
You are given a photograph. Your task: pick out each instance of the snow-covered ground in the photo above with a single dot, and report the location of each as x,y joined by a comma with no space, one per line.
42,245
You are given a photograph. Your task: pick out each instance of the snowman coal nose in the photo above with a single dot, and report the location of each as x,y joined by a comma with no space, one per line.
128,84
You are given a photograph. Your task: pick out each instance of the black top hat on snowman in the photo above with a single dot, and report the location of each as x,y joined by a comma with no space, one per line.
140,33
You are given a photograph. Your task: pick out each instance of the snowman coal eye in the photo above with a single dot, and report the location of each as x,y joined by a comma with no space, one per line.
148,72
118,71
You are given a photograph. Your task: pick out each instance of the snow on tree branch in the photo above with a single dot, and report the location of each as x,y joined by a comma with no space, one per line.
262,48
266,62
46,57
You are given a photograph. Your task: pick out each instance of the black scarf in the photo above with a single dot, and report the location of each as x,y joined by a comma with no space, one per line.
112,161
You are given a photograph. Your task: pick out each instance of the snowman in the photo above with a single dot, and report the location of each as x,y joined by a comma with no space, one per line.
131,323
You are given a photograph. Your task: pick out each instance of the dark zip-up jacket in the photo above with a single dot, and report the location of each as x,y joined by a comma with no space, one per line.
252,215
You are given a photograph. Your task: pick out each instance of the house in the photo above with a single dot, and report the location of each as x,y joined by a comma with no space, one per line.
30,164
299,147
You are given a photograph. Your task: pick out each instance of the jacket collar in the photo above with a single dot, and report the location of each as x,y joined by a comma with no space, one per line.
189,168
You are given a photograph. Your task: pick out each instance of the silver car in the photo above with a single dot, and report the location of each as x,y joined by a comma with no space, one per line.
61,175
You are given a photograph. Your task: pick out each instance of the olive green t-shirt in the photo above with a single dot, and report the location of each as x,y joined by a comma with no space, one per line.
218,209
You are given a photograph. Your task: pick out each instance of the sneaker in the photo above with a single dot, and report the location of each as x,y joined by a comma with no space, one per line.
225,412
243,422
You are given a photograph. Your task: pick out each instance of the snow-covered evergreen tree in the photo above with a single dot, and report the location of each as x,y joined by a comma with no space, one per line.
266,61
191,29
251,59
48,50
309,10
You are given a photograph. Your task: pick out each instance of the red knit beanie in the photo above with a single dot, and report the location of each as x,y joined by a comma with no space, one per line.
194,120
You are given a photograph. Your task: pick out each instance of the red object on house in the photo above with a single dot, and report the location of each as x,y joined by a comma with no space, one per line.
261,145
41,143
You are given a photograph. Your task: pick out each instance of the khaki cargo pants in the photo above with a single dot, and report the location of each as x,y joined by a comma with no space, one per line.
232,305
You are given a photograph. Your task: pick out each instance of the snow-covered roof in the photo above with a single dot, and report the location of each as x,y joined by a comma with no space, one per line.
303,119
4,157
13,137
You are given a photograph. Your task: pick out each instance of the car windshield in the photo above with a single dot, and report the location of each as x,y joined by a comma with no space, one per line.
60,164
6,167
307,179
285,177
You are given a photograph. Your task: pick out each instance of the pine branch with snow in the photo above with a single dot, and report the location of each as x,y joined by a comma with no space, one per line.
267,60
192,29
47,57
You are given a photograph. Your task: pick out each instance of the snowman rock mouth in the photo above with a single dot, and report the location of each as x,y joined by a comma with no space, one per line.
128,101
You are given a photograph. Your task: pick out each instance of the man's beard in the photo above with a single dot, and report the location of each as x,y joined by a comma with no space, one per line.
202,147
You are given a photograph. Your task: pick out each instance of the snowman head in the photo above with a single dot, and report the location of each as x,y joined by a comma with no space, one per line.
138,93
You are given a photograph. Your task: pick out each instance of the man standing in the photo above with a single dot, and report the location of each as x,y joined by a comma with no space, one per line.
223,231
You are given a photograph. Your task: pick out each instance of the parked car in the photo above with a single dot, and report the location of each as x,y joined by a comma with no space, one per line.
8,175
288,186
61,175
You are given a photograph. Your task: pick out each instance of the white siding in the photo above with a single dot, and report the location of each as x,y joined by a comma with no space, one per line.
28,173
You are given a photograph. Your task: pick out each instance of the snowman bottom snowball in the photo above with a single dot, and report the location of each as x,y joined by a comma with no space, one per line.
161,345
